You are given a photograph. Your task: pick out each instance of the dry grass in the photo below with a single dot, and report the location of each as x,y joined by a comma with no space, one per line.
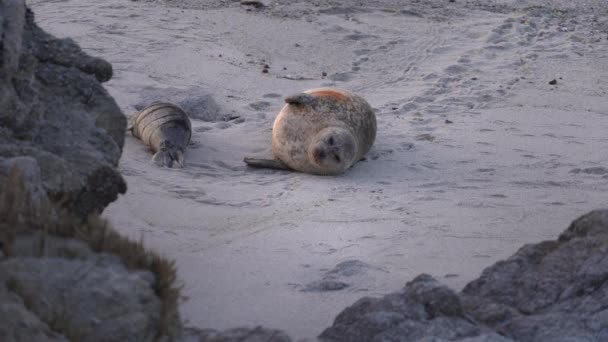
22,213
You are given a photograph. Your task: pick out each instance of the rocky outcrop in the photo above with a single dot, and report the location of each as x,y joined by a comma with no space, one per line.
257,334
424,309
64,274
92,298
65,279
549,291
54,109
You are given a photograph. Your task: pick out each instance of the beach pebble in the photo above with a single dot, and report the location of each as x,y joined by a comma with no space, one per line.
326,285
222,125
254,3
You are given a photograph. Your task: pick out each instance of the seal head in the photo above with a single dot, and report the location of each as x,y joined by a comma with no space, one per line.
332,150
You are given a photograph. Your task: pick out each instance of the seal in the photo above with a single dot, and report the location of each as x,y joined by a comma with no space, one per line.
321,131
166,128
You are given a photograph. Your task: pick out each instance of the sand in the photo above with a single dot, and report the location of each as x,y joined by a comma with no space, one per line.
476,153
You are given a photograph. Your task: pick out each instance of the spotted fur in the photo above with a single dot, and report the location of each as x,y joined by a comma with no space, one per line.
323,131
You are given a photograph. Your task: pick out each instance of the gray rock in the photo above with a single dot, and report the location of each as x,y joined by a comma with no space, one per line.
61,136
550,291
257,334
58,287
197,103
93,299
255,3
19,324
53,108
423,309
27,168
342,276
324,285
39,244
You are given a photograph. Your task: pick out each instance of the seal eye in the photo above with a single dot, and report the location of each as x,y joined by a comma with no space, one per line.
321,154
331,141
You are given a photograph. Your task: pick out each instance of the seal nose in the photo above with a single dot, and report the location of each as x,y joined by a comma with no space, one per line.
319,153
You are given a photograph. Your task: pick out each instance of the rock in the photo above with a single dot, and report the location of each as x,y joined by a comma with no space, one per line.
342,276
64,273
93,299
26,202
254,3
554,290
73,280
260,105
195,101
350,268
424,308
36,243
597,170
324,285
19,324
257,334
550,291
51,101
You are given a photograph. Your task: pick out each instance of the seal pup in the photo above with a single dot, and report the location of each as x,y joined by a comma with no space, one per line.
166,128
321,131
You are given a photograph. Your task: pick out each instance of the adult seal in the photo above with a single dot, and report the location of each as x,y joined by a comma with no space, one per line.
166,128
321,131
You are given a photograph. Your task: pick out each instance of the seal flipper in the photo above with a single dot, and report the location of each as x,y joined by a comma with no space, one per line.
131,121
301,99
266,163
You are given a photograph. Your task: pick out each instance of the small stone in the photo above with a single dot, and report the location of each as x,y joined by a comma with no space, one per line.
553,82
323,74
325,285
265,71
448,121
254,3
425,137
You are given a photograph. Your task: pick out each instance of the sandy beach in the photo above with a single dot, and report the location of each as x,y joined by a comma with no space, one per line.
492,122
